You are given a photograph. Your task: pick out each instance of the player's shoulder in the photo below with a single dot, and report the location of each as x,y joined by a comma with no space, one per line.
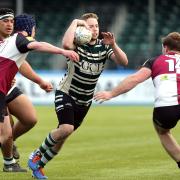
23,37
150,61
153,59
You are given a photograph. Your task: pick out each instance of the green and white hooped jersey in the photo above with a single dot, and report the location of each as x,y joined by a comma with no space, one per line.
81,78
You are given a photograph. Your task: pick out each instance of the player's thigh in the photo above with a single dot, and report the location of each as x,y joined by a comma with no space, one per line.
64,107
22,108
166,117
80,113
3,107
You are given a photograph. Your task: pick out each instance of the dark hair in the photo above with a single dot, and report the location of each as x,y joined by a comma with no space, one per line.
24,22
4,11
172,41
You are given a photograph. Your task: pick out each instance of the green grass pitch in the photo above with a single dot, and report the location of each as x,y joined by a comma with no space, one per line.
113,143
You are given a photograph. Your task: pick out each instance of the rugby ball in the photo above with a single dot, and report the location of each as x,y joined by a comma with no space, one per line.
82,35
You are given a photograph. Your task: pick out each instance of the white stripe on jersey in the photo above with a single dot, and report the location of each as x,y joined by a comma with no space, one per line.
86,79
91,58
83,90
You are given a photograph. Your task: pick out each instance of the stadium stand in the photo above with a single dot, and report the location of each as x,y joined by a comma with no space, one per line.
7,4
134,38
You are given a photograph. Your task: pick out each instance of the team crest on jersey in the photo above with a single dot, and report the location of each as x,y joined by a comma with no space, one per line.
165,77
91,68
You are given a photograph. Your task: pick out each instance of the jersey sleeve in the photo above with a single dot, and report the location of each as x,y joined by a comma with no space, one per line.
148,63
109,51
22,43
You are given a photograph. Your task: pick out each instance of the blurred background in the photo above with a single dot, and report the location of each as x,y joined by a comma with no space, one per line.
138,27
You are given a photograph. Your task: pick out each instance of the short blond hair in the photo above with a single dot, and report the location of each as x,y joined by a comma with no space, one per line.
172,41
89,15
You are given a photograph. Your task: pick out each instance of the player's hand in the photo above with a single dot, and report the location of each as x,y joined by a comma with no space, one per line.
72,55
108,38
82,23
13,82
47,86
103,96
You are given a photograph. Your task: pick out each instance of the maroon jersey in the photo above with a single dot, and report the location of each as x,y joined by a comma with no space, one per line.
166,78
13,51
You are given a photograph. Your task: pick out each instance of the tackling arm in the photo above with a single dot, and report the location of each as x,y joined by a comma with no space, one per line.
126,85
27,71
131,81
49,48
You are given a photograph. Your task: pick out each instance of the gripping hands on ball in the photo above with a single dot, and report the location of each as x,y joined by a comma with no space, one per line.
82,35
82,23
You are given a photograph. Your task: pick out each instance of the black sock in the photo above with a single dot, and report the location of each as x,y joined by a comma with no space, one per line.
48,143
48,155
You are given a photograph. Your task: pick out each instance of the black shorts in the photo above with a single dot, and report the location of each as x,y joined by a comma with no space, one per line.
167,116
68,112
3,107
13,94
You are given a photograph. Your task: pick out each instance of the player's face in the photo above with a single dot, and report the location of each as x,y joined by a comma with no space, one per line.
6,27
94,27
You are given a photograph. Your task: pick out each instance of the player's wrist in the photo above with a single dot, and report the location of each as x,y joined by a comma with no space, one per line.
113,45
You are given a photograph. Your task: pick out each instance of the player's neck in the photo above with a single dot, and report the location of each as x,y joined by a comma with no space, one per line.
92,42
3,36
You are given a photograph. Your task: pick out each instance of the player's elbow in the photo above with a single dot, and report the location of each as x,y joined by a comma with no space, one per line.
66,46
125,62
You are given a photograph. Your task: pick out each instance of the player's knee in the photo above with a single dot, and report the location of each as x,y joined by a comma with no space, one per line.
31,121
68,129
7,136
65,130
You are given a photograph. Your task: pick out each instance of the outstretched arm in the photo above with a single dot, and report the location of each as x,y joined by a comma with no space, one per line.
27,71
49,48
119,55
126,85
